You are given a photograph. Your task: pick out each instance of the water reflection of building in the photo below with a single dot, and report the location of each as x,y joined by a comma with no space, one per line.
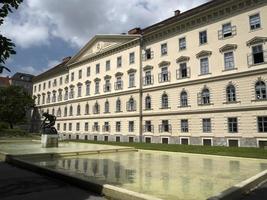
162,174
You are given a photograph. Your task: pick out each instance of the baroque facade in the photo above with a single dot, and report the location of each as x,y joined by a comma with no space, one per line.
197,78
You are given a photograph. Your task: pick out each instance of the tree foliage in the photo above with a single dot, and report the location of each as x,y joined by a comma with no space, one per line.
6,45
14,103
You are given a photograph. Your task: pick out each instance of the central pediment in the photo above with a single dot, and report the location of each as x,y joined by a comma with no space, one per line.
101,43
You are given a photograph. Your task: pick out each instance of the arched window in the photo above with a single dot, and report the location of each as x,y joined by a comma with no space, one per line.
78,110
164,101
183,99
230,93
131,105
205,96
65,111
148,102
71,111
59,112
260,90
96,108
118,105
87,109
107,107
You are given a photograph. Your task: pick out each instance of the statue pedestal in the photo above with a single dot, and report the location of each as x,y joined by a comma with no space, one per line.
48,141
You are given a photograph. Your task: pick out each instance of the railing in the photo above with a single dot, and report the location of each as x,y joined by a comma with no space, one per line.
106,128
258,58
164,77
107,87
118,85
95,128
146,56
183,73
131,106
148,80
165,128
148,128
222,35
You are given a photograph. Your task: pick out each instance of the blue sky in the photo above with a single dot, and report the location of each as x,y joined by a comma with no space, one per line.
45,31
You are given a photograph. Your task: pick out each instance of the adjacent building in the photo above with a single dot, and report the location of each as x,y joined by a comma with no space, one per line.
196,78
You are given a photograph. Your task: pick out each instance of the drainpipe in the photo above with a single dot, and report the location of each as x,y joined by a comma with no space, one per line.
141,91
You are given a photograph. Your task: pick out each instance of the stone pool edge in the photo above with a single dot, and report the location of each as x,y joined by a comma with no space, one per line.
239,190
109,191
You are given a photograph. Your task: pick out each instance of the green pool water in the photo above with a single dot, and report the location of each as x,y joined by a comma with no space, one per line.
164,175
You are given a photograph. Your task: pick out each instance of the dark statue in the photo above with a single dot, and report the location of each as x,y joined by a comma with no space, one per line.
47,126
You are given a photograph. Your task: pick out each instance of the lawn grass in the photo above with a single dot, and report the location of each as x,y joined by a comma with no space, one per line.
214,150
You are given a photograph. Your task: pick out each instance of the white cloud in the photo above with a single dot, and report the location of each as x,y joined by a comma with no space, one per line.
76,21
29,70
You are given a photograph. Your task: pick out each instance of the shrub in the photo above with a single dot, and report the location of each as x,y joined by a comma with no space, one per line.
3,125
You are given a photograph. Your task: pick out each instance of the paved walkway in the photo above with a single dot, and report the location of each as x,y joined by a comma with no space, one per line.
258,194
19,184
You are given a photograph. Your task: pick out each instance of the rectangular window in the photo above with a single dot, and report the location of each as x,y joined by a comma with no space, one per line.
119,61
67,78
107,86
257,54
207,142
97,87
131,126
106,126
77,126
86,126
131,58
97,68
164,49
107,65
44,86
55,83
262,124
227,30
182,44
72,76
80,74
164,75
255,21
229,60
206,124
131,80
118,126
183,71
203,38
65,126
148,78
232,125
148,126
148,54
88,71
204,66
70,126
49,84
165,126
58,126
39,87
184,125
60,80
35,88
79,90
87,89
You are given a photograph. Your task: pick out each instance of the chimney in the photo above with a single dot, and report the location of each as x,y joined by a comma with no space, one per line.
66,59
177,12
136,30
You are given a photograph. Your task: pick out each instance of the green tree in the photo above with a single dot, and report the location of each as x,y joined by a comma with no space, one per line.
6,45
14,103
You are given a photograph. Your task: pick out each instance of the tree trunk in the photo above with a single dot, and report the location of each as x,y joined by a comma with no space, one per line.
11,125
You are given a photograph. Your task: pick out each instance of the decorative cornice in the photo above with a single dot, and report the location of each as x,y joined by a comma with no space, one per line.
203,53
97,79
118,74
256,40
107,77
182,59
228,47
87,82
148,67
78,84
164,63
131,71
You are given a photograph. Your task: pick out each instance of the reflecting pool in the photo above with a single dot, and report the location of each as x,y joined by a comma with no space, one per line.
166,175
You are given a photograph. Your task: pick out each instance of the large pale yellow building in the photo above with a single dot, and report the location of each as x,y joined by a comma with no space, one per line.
197,78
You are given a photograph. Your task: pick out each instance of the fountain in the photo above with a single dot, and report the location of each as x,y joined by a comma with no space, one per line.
49,133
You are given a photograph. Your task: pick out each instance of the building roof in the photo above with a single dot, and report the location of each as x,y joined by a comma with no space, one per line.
56,69
4,81
180,16
22,77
